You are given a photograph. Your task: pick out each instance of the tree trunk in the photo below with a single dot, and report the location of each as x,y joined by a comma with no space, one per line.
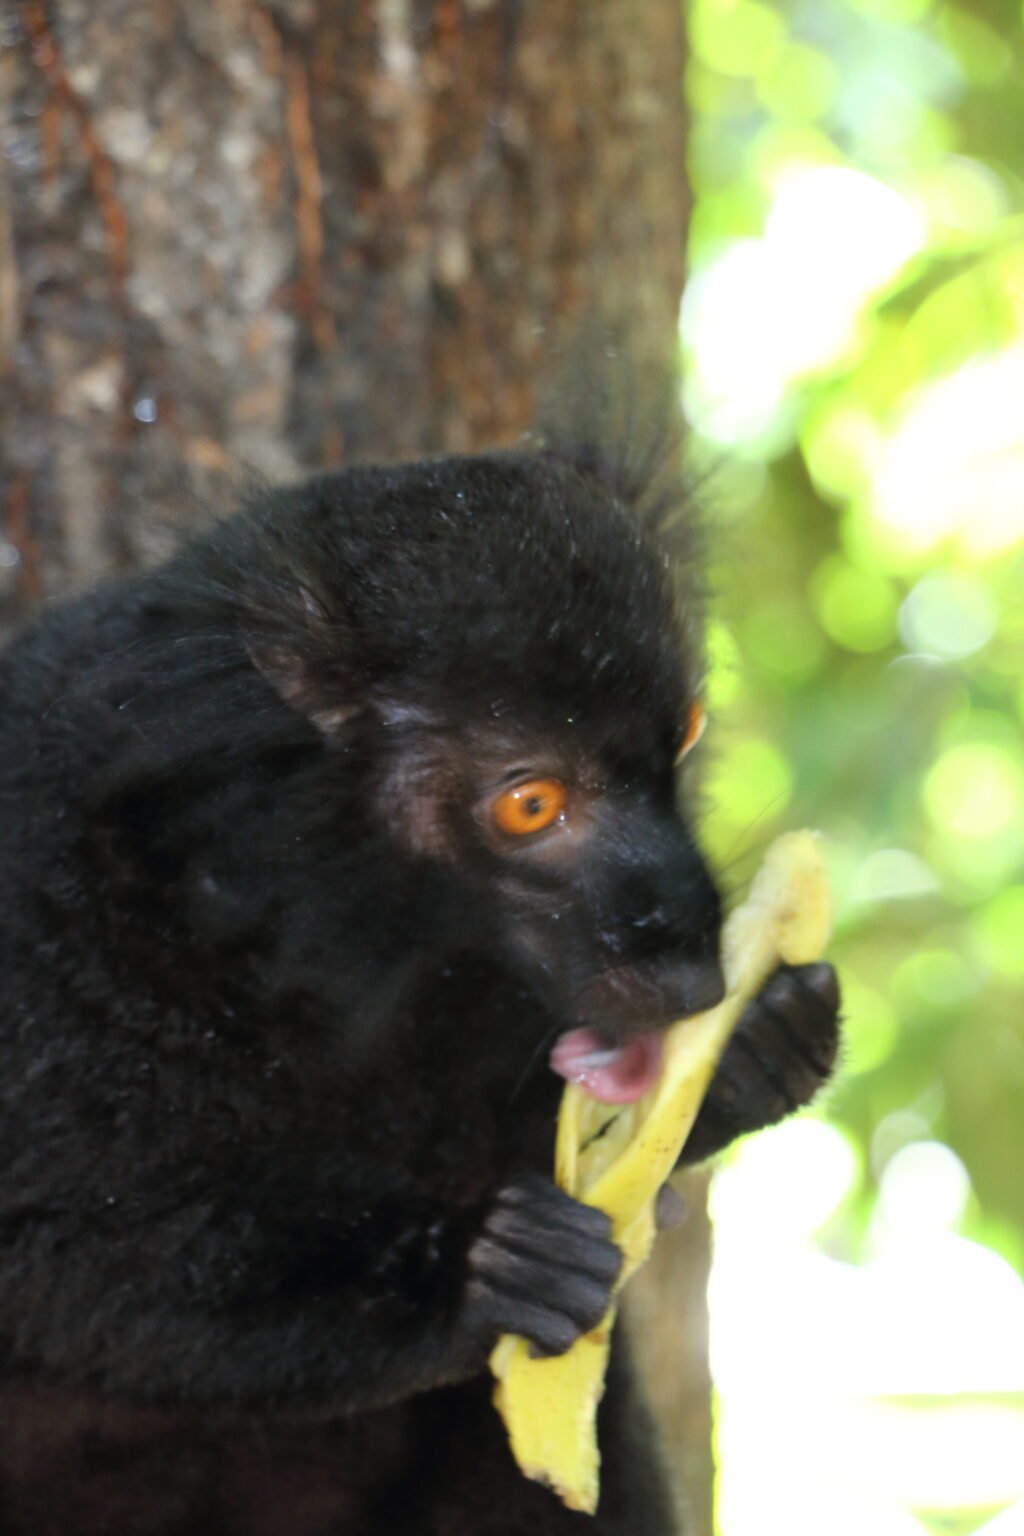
277,235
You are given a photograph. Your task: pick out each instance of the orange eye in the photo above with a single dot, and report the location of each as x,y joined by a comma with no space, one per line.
695,723
530,807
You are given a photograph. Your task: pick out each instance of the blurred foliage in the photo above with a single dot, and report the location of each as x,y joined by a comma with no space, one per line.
854,342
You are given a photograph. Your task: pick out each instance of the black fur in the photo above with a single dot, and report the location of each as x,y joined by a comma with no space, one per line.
277,1120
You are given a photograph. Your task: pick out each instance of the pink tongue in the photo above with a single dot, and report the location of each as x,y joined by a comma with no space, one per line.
616,1076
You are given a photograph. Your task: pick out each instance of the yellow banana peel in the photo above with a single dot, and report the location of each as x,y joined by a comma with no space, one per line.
550,1405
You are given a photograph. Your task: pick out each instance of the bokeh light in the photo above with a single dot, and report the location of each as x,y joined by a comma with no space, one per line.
854,341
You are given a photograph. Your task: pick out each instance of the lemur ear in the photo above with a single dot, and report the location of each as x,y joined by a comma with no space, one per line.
301,651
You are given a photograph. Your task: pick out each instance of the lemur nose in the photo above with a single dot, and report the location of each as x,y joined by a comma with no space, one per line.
693,986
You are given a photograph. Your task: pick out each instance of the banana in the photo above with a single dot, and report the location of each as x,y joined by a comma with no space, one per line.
550,1405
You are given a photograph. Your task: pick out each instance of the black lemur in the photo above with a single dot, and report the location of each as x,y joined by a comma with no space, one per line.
327,850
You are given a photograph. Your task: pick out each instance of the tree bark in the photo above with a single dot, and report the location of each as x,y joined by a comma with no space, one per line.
273,236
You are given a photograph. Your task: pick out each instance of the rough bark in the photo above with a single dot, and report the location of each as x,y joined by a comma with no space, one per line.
275,235
285,235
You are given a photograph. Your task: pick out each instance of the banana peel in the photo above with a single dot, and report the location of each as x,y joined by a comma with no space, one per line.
617,1158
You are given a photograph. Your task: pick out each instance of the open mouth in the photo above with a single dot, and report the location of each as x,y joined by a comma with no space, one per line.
621,1073
618,1074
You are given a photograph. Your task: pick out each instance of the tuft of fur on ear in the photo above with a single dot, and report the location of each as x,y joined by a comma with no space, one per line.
260,582
623,428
